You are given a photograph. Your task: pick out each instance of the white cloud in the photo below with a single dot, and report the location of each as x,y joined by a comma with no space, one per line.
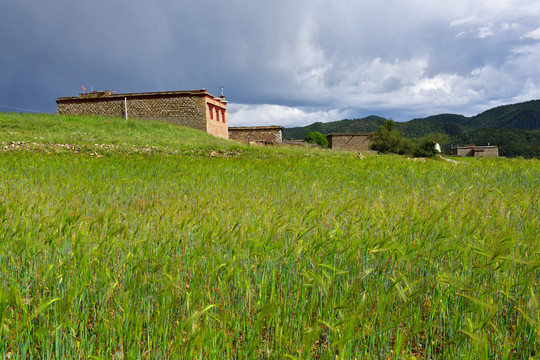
271,114
484,32
471,20
534,35
509,26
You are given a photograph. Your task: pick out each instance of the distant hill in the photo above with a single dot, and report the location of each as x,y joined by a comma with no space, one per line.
446,118
514,128
367,124
418,128
524,116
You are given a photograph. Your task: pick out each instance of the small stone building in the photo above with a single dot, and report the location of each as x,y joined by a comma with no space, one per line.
475,151
349,141
197,109
257,134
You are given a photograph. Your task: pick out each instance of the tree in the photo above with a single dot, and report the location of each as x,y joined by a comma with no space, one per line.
441,139
316,137
426,149
427,146
389,140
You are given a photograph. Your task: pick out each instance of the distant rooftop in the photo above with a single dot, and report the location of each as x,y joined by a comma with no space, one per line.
347,134
270,127
475,147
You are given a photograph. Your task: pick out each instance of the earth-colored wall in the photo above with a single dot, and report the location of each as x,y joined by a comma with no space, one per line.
475,151
349,142
266,134
462,151
491,151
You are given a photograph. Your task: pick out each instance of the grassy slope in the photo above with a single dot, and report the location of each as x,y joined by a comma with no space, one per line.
87,131
109,136
259,252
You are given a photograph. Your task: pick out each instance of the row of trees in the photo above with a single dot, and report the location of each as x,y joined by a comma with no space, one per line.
390,140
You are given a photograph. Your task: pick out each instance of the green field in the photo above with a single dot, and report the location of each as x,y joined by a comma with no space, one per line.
143,240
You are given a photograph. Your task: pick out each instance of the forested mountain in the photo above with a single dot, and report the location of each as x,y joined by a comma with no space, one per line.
420,127
367,124
514,128
524,116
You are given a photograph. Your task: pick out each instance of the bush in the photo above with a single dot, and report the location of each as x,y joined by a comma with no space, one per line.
426,149
316,137
389,140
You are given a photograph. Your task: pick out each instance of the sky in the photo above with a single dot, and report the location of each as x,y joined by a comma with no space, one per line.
280,62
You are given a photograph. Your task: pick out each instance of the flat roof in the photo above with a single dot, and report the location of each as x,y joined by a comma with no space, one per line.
271,127
348,134
107,94
475,147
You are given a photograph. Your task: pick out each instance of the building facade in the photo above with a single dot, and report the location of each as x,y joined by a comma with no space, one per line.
349,142
475,151
257,134
196,109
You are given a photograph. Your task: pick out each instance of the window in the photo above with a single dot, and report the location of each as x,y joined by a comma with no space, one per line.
211,110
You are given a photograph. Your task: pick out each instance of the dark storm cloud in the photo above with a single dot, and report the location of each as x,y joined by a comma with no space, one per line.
57,47
281,62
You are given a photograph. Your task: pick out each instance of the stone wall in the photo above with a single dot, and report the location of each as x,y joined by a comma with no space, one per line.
261,134
349,142
196,108
491,151
461,151
475,151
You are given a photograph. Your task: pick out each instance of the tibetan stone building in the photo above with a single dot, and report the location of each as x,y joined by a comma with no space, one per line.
197,109
475,151
257,134
349,141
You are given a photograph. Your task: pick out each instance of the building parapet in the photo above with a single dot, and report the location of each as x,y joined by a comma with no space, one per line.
113,95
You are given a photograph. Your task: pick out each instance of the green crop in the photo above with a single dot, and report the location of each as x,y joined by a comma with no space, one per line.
261,253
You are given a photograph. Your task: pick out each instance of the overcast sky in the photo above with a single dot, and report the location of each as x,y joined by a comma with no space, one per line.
281,62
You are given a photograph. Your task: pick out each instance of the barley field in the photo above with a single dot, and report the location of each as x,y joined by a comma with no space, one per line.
140,240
